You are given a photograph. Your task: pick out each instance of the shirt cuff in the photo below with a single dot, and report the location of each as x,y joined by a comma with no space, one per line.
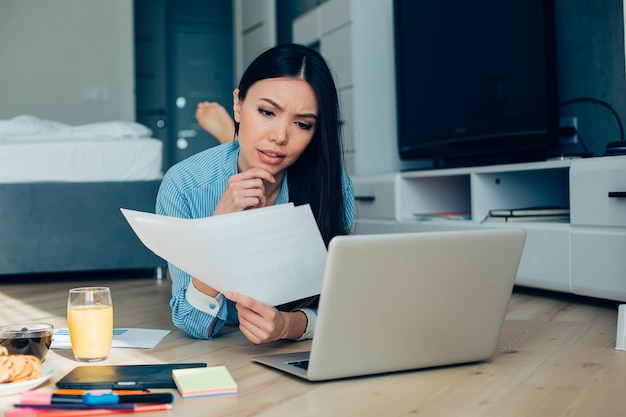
202,301
311,317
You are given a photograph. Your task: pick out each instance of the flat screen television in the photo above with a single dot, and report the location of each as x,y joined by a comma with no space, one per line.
476,81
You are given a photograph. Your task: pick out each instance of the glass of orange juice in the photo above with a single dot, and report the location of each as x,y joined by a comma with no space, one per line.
90,322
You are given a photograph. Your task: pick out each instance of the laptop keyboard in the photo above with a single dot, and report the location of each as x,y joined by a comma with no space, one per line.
300,364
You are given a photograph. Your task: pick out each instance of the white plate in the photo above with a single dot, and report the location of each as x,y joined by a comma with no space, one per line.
10,388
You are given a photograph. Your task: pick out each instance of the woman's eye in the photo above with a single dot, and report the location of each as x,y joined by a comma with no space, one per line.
304,126
265,112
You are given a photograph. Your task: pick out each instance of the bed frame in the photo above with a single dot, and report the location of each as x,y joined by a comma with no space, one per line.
52,227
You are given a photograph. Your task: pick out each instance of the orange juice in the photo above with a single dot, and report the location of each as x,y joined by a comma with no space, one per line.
91,331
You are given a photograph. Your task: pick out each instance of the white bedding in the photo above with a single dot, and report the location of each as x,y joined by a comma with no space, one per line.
36,150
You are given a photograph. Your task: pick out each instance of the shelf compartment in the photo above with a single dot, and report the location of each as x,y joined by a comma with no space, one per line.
519,189
434,194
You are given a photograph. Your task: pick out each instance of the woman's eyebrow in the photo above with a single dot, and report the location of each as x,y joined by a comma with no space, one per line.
279,107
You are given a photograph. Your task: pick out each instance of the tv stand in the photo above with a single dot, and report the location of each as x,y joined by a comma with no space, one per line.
585,256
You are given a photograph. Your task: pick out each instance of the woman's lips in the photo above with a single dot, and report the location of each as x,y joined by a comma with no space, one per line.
271,157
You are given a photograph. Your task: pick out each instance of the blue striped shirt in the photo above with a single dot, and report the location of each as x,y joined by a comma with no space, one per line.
191,189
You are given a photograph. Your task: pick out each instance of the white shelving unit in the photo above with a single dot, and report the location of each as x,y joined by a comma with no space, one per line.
356,38
586,256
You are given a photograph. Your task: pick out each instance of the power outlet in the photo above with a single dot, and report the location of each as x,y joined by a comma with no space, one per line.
95,94
568,130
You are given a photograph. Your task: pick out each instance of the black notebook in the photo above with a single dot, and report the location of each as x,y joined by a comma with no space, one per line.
119,377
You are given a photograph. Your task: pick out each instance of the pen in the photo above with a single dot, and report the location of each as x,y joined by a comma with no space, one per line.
66,391
38,397
70,406
71,396
94,398
25,412
104,397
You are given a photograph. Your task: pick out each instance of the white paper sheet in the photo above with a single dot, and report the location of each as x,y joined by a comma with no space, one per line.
122,338
274,254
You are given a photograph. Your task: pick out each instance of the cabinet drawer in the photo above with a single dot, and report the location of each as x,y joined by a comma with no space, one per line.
306,28
335,47
375,197
546,258
598,191
252,13
334,14
598,262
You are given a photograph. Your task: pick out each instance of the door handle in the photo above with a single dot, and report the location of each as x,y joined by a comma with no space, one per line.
187,133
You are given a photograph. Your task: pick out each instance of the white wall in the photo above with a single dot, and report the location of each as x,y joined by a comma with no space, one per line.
67,60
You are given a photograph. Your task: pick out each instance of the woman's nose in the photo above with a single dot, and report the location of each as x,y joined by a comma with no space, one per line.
279,134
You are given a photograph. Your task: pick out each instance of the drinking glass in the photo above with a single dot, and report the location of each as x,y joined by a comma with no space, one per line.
90,322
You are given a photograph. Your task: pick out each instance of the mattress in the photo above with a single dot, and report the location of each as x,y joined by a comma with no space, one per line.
35,150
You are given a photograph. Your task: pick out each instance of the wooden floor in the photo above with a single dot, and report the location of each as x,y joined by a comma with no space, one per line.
556,358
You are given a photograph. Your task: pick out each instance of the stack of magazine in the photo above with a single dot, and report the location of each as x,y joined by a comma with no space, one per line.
530,214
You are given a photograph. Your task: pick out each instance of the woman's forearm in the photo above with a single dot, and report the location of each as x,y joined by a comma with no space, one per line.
202,287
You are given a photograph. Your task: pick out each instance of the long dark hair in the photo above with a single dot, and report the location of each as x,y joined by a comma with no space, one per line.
315,178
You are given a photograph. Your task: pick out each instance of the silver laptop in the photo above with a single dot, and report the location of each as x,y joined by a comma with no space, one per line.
396,302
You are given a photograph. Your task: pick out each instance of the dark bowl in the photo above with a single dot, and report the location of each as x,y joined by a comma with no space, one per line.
27,338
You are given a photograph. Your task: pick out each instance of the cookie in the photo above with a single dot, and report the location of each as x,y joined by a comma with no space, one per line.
5,373
37,371
19,368
16,368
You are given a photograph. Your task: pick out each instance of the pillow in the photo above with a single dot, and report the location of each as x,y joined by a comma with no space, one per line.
26,125
116,129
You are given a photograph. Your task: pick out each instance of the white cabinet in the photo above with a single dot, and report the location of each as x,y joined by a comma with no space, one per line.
255,31
585,256
598,218
599,192
356,39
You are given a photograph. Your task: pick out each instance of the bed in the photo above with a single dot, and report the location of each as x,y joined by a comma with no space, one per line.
61,190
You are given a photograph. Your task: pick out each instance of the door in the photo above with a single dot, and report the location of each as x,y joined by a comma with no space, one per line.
202,71
183,55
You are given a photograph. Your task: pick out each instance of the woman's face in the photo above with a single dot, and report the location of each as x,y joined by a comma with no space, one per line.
277,120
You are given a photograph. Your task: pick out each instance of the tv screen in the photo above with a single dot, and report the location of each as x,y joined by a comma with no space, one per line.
476,80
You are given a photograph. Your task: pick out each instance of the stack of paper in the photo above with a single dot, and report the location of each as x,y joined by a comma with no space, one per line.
274,254
122,338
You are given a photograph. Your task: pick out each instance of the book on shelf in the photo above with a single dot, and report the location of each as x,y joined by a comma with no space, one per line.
447,215
546,218
531,211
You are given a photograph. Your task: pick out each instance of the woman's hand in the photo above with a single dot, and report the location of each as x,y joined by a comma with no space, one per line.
244,191
262,323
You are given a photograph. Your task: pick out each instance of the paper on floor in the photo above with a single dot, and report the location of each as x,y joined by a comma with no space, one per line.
122,338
